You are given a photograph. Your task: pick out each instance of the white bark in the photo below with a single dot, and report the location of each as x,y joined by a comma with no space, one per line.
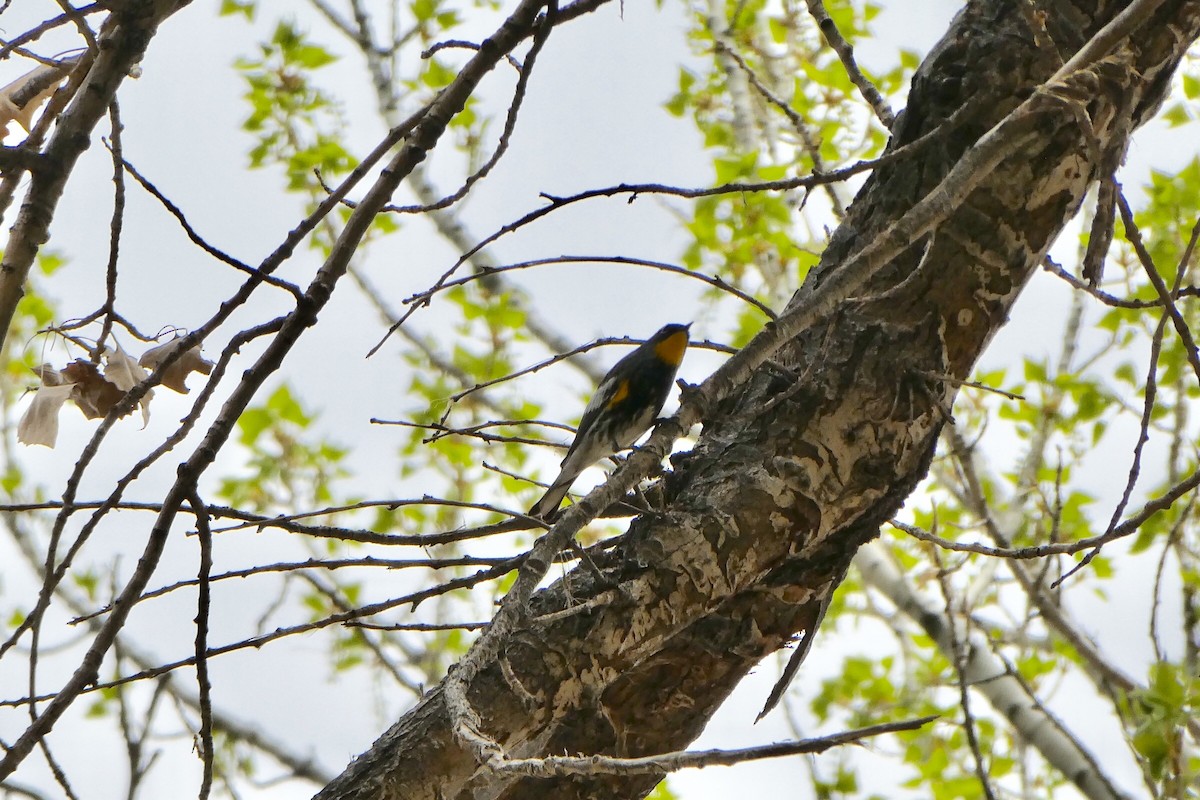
988,674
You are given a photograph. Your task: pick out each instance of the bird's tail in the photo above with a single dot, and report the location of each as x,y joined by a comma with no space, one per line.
547,508
577,461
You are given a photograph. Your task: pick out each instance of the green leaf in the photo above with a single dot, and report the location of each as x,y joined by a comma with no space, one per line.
50,262
779,30
312,56
285,406
1152,746
424,10
88,581
252,423
244,7
437,75
731,169
11,480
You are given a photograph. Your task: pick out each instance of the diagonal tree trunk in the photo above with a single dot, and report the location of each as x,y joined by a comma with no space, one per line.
798,468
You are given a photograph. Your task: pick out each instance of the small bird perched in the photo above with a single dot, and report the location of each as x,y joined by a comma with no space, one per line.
625,405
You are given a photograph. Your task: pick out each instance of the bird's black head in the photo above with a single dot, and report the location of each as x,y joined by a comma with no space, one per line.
667,331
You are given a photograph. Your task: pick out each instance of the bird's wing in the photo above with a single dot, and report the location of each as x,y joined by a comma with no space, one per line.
608,392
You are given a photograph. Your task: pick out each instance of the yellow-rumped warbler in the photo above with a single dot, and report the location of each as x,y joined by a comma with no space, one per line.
624,406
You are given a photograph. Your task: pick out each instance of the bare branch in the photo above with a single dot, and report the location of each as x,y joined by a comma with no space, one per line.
553,766
202,618
846,53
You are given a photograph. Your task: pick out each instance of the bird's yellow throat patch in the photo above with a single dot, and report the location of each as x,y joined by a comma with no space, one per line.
672,348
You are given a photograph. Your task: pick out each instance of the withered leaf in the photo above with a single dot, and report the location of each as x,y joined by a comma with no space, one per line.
191,361
39,423
20,99
94,394
121,370
49,375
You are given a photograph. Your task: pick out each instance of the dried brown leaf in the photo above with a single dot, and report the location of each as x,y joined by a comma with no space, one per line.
49,375
94,394
191,361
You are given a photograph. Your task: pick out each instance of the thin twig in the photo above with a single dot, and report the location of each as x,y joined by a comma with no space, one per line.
325,565
482,274
463,44
412,599
634,190
115,226
126,405
555,766
811,146
203,683
961,658
417,626
36,32
972,384
846,53
199,240
1134,237
540,34
1050,266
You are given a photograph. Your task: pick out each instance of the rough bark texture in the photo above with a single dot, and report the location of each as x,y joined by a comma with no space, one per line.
797,471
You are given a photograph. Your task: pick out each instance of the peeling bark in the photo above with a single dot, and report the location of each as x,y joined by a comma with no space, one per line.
797,470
